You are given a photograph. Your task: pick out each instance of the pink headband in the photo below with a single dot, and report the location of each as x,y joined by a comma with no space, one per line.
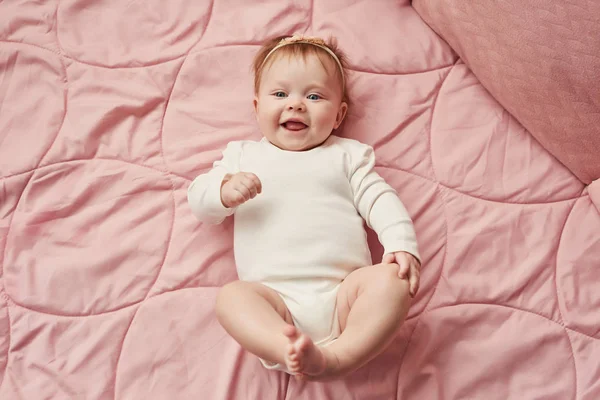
307,40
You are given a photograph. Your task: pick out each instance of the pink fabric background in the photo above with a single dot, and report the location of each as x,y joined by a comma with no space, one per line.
541,60
107,282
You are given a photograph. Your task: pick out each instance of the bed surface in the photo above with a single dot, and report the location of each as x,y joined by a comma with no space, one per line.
108,283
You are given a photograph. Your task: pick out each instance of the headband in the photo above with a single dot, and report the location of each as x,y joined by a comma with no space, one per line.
317,42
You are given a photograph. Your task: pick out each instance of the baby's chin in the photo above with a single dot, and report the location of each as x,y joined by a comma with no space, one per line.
297,145
289,145
293,147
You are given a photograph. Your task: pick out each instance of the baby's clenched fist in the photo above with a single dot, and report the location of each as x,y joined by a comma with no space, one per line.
239,188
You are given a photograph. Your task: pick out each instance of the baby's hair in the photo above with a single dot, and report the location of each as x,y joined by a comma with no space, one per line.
266,56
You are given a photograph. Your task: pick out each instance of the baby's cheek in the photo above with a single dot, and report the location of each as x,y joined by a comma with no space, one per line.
325,118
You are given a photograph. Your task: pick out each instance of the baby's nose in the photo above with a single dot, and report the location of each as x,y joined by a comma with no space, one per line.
296,105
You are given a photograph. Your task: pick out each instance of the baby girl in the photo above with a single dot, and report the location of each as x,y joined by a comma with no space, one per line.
308,301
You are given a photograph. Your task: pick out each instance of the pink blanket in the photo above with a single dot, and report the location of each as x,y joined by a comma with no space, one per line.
107,282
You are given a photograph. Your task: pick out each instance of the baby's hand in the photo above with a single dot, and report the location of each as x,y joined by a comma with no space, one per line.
410,268
239,188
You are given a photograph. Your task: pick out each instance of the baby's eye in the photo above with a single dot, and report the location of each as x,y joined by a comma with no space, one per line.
314,96
279,94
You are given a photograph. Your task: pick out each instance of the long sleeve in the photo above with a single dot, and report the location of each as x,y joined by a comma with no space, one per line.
204,193
378,203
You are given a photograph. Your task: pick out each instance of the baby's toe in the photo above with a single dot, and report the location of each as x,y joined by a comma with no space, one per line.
290,350
290,331
303,344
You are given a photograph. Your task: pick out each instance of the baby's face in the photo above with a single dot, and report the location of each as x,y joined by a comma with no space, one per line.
299,102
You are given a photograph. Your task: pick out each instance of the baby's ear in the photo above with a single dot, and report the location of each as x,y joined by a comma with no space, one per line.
255,102
341,114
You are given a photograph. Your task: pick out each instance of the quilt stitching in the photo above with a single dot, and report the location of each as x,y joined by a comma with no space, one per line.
150,64
444,259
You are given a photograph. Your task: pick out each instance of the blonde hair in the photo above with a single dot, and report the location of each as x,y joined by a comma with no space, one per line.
301,46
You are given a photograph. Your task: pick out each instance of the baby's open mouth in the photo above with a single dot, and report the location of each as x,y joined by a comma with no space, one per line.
294,125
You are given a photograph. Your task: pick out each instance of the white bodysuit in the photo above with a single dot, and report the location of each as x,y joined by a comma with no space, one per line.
304,233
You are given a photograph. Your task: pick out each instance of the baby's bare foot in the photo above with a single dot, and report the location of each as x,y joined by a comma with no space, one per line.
291,358
303,357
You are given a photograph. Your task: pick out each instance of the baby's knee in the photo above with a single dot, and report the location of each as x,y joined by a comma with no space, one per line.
226,295
389,284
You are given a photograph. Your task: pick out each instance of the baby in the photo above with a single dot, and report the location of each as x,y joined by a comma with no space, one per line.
308,302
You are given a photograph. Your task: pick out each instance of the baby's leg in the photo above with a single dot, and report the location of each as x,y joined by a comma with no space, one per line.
256,317
372,303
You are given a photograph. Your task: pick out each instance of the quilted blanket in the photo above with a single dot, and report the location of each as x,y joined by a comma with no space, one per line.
107,282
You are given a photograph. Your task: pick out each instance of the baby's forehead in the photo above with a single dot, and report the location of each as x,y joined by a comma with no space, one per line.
320,66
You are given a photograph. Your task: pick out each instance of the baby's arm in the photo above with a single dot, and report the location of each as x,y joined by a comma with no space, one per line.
378,203
204,193
390,220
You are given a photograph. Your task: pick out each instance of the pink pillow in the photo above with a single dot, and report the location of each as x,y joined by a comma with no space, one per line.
540,60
